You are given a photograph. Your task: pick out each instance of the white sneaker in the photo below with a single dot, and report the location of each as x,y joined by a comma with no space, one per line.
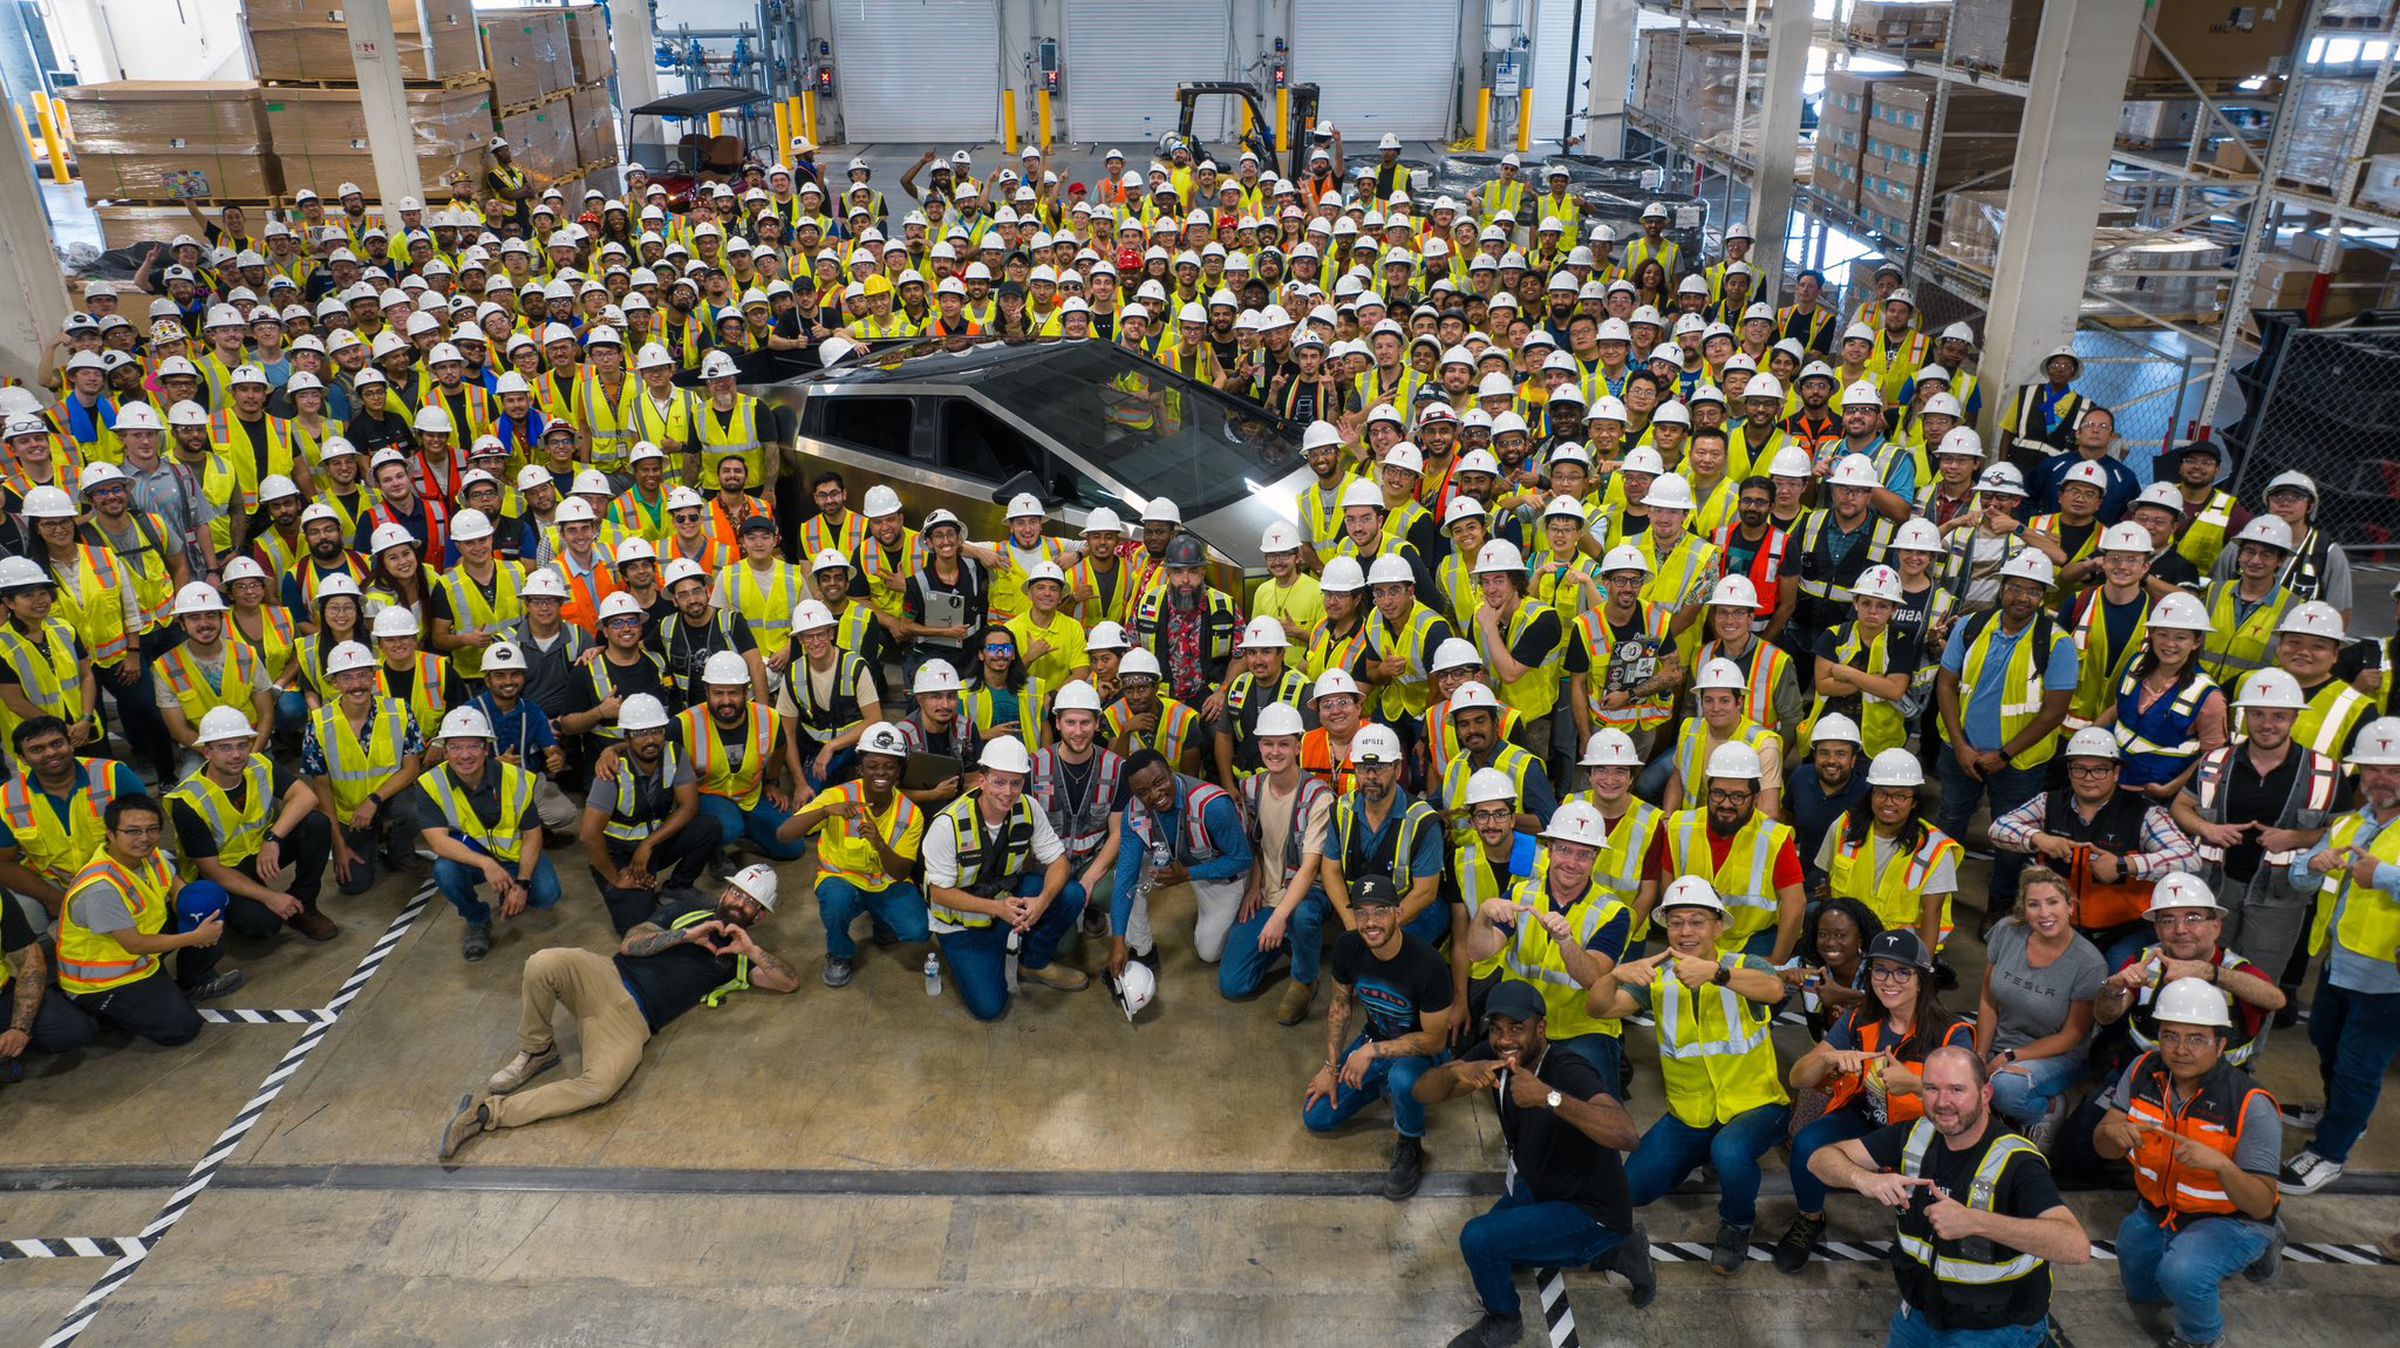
2307,1173
2044,1131
520,1069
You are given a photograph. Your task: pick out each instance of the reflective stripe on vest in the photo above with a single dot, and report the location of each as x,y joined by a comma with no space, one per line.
238,829
498,837
1943,1257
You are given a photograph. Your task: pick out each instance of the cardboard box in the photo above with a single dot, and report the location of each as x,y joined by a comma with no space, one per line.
587,44
595,125
309,40
526,50
169,177
321,135
2159,121
2379,184
2234,156
2323,123
543,138
166,117
2212,40
1899,25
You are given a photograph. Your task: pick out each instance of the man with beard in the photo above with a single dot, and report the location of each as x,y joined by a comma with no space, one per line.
1831,788
1980,1217
324,555
1190,626
2207,516
998,883
868,837
1408,1003
1746,856
687,953
523,733
1178,829
1079,785
698,629
647,819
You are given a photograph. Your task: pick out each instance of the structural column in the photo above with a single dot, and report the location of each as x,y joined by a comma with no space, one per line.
2080,60
33,294
630,41
1789,33
1608,27
391,137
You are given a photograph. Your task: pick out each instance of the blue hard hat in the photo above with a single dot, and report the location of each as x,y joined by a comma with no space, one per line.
199,901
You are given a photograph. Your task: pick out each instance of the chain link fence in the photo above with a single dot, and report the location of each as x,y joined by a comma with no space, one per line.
2153,384
2326,401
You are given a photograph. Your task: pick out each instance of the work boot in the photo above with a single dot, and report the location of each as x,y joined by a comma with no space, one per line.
313,925
1640,1270
1492,1331
477,942
837,971
473,1117
1292,1007
520,1069
1799,1242
230,981
1732,1249
2270,1261
1408,1168
1056,977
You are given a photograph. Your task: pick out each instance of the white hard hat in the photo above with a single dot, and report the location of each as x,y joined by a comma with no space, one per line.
503,655
2030,565
2092,742
1895,767
758,880
1333,682
1134,988
809,616
1006,754
1277,718
1730,591
729,669
638,712
1375,744
1139,663
2001,477
1473,697
1961,440
2179,890
1278,536
1455,653
469,525
2192,1001
1834,727
2269,688
1916,534
388,536
348,656
1265,634
225,723
1719,673
1362,493
1391,570
1690,891
2315,618
198,597
573,510
2161,495
1669,491
1499,557
881,501
1627,557
934,677
2125,536
397,621
1577,821
544,584
2378,743
1878,582
885,739
434,418
1077,695
1734,760
50,503
2269,530
1862,394
464,723
1610,747
1486,786
1106,636
275,487
1790,461
1853,470
2183,612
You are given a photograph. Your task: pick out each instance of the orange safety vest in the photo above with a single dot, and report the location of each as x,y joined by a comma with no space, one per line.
2211,1117
584,594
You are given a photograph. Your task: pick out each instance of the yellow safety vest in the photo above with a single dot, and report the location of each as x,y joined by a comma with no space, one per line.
1713,1051
54,842
766,602
357,768
2100,666
91,961
1536,693
471,613
153,579
1896,894
244,676
1534,955
741,438
2332,712
2370,924
234,447
238,829
712,764
1405,698
2021,683
498,837
277,638
92,606
980,855
49,672
427,698
609,422
1880,724
2204,534
2234,648
1745,880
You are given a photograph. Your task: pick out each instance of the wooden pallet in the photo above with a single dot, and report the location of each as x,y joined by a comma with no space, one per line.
544,101
464,80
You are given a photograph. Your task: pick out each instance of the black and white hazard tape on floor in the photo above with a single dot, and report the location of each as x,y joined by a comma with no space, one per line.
133,1252
69,1247
307,1017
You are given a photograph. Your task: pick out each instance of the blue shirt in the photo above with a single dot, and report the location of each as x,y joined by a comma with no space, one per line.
1225,830
524,732
122,782
1425,860
2115,499
1813,812
1981,715
2349,970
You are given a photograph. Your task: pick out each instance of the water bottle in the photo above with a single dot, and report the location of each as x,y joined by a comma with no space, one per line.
933,975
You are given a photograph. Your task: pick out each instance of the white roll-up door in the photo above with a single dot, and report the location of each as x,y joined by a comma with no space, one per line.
1124,59
1389,65
918,70
1562,64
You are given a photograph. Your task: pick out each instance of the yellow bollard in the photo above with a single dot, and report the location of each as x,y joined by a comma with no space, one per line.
1041,104
33,142
1283,120
808,114
58,155
716,124
1524,119
1483,119
1008,119
783,131
796,117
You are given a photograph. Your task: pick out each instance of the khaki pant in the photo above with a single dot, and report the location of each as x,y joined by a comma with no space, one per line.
558,812
611,1027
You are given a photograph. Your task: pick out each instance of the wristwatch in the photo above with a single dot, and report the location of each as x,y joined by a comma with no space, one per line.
1723,973
1553,1100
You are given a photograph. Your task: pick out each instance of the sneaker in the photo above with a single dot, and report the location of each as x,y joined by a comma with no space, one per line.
313,925
2302,1116
2270,1262
2307,1173
1292,1007
477,942
1640,1270
520,1069
1732,1249
837,971
216,985
1408,1169
1492,1331
1149,957
1057,977
2044,1131
473,1117
1799,1242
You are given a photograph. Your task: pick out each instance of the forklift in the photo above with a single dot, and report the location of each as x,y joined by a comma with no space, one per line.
1261,140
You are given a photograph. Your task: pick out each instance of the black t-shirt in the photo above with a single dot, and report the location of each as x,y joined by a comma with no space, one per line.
2249,797
195,839
402,683
934,602
9,678
1396,993
1556,1161
686,648
1899,657
642,676
2025,1190
677,978
15,932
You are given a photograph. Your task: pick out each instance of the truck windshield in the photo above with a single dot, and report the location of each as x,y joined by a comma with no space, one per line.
1158,432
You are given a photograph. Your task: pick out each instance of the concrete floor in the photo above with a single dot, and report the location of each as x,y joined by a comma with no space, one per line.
866,1165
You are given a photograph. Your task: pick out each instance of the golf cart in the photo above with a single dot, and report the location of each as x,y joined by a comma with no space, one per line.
699,156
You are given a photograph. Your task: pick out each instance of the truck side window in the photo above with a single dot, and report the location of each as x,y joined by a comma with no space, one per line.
879,424
976,443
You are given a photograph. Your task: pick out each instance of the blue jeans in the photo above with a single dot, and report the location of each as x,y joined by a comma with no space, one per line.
2356,1034
1839,1125
2185,1265
899,906
1909,1330
1396,1077
1521,1232
2007,789
1606,1054
757,825
291,710
2025,1089
1433,925
458,884
1652,783
842,767
978,956
1673,1149
1246,968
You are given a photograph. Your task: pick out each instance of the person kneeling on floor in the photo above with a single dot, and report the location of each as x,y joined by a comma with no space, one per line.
241,822
1565,1203
124,910
1407,999
996,880
686,954
480,822
648,818
868,835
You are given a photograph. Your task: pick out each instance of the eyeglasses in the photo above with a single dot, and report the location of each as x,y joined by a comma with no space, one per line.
2090,770
2187,918
1890,973
1494,816
1729,797
140,831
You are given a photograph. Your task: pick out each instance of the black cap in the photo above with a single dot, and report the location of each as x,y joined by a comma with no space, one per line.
1900,945
2209,447
760,523
1515,999
1373,891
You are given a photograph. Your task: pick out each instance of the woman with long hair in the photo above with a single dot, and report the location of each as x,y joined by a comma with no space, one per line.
397,578
1001,696
1832,965
1870,1067
1651,288
2033,1019
341,616
2167,712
